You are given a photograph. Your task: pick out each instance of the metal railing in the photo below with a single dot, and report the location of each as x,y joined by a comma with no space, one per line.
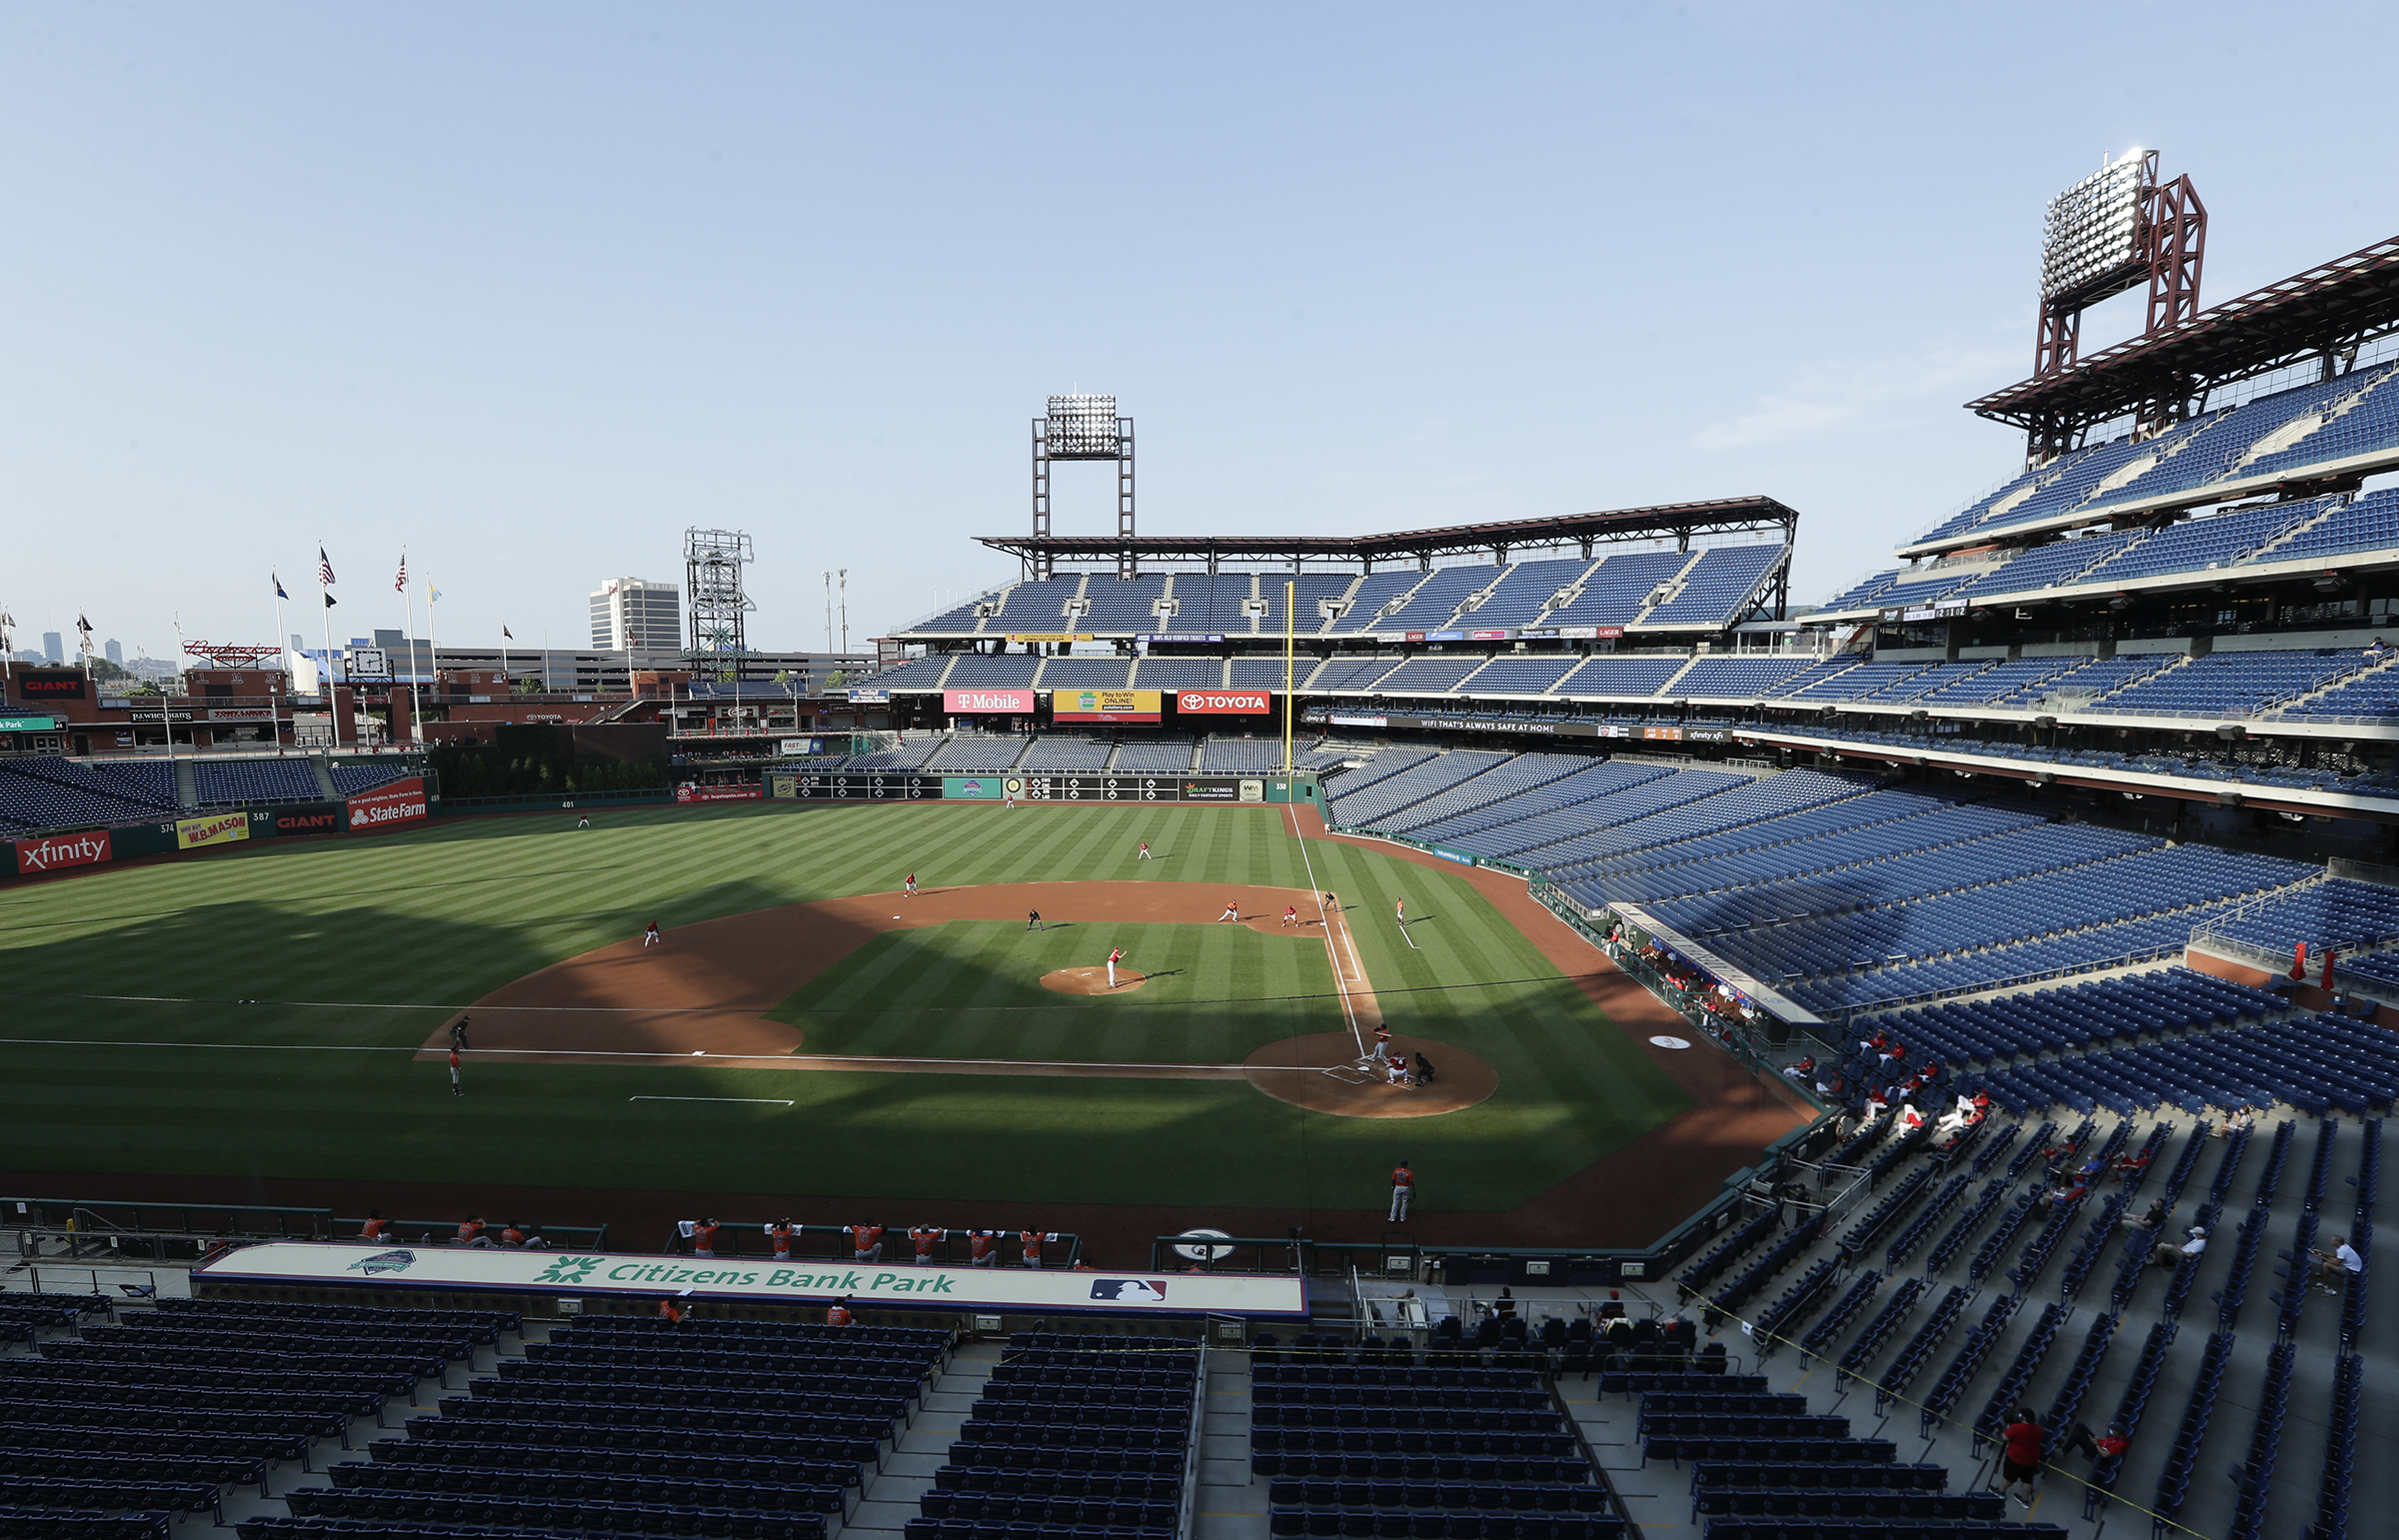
250,1222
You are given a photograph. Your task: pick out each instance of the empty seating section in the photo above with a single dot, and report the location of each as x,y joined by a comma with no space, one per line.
2200,543
1211,604
1350,674
1866,594
1435,603
1426,675
221,783
1568,833
1355,807
1732,808
46,792
975,754
1839,683
903,757
2076,1017
1715,589
2286,424
1995,682
962,620
351,777
1064,754
1618,588
2049,567
1487,820
1179,674
1036,606
916,674
2372,696
1087,674
1915,687
1314,589
2089,681
2233,683
2336,912
2318,1065
1505,781
1737,679
979,671
1239,756
1073,1438
1382,1446
1525,591
2360,427
163,1409
1621,677
1375,593
1154,757
1519,676
2369,523
1122,606
1266,673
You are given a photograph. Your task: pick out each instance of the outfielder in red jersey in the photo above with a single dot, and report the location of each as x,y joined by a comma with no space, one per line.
868,1238
927,1237
982,1247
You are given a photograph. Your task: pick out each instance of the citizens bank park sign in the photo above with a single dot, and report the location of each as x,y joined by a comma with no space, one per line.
1016,1290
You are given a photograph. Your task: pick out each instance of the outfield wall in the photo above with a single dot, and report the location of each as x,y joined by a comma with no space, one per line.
394,805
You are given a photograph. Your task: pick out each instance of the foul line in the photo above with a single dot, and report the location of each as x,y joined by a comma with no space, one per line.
1324,918
766,1101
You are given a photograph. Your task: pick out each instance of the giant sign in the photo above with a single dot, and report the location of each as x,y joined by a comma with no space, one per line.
1223,702
1014,1290
977,701
388,804
691,792
50,684
57,853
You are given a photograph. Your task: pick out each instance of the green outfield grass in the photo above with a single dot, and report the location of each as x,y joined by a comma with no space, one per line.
269,999
972,990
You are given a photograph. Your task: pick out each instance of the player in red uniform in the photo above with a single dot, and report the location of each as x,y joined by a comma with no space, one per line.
778,1234
704,1239
982,1247
927,1237
1290,915
838,1313
1115,957
1031,1240
1403,1192
868,1238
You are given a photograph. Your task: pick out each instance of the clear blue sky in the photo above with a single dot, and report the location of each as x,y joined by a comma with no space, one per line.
531,288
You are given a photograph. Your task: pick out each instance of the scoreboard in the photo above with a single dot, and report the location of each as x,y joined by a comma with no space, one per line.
904,785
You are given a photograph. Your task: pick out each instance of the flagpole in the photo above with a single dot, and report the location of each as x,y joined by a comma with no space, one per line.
416,721
283,643
1291,636
507,683
333,699
433,645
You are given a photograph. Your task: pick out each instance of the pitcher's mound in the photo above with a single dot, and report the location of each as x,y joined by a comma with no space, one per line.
1091,980
1320,1072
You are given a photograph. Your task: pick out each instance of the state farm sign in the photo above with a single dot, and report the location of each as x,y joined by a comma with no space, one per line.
972,702
388,804
60,852
1223,702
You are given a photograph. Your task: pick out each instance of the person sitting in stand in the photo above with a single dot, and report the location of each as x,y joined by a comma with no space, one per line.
2170,1256
2244,1118
2129,1168
2337,1266
2064,1196
1802,1070
2151,1221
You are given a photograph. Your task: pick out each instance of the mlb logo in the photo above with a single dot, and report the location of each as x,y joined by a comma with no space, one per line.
1133,1292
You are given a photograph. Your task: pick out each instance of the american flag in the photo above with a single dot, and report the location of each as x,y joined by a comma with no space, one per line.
324,568
400,584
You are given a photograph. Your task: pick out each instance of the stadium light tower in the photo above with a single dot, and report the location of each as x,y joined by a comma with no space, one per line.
1083,428
2104,235
712,566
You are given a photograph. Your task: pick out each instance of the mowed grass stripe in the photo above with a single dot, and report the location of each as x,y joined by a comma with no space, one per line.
445,913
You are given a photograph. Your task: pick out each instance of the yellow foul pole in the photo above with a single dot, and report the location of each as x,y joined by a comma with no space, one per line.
1291,634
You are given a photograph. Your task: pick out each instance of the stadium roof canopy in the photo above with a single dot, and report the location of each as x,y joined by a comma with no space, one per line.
2324,311
1672,520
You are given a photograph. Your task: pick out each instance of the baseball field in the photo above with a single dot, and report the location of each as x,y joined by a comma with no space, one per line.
270,1025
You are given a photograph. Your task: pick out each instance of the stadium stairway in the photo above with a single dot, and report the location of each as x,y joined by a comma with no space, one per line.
324,775
891,1496
187,783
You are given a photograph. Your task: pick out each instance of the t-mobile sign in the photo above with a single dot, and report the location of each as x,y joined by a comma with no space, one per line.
980,701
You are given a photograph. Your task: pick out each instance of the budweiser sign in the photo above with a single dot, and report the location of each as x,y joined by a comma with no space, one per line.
60,852
1223,702
388,804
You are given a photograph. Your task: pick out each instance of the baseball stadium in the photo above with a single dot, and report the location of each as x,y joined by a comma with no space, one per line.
1512,1031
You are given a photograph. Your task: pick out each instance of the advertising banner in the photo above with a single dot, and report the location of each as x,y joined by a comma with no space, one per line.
1107,705
1223,703
388,804
1460,856
307,819
972,788
1014,1290
976,701
242,713
11,721
1050,635
50,684
1204,638
57,853
1354,720
215,829
687,792
870,697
